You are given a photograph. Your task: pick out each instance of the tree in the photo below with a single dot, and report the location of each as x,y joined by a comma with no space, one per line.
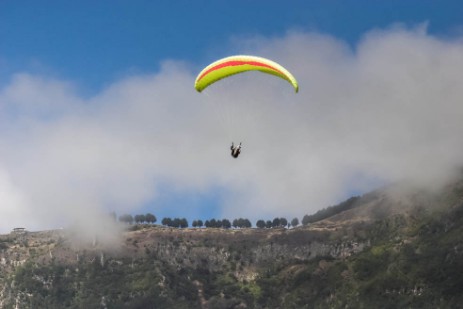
268,224
283,222
306,220
183,223
241,223
126,219
140,218
167,221
260,224
150,218
213,223
226,224
295,222
176,222
238,223
276,222
197,223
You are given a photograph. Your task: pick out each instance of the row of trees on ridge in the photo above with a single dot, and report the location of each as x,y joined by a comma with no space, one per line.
241,223
212,223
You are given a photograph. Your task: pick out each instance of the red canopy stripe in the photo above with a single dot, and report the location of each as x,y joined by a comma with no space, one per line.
238,63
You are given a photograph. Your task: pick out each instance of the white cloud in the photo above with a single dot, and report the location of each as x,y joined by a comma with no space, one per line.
389,110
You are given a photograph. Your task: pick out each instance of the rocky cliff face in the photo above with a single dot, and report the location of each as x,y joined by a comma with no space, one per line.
390,250
241,255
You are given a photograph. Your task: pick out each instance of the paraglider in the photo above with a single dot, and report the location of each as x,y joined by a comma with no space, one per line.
232,65
238,64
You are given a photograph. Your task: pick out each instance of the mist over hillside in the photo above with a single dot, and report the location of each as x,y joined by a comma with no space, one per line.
394,247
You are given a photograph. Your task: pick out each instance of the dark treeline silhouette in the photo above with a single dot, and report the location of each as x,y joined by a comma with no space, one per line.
176,222
277,223
224,223
330,211
241,222
212,223
139,219
197,223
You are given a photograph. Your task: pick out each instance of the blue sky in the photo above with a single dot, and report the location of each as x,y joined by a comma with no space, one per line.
87,89
96,42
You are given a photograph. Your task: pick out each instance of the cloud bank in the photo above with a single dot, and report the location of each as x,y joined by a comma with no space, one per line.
389,109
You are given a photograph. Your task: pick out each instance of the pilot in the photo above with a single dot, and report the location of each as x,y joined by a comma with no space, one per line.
235,150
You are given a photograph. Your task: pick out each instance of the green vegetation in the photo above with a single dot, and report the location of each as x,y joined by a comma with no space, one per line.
90,285
212,223
330,211
409,259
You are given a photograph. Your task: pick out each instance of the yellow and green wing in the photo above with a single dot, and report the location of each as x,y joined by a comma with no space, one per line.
238,64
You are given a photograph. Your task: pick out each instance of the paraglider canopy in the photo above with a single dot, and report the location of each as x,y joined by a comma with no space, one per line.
238,64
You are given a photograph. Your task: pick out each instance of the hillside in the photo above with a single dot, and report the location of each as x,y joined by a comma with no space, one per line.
392,248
